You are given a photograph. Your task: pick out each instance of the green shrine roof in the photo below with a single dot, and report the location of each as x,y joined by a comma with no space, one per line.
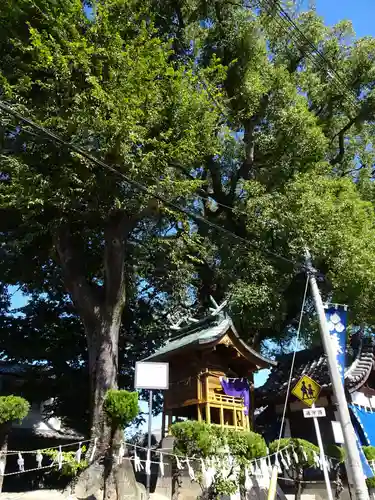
206,331
205,335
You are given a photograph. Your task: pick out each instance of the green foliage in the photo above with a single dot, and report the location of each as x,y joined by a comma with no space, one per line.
223,486
199,439
246,445
304,449
13,408
337,452
196,438
369,452
205,440
70,466
121,407
222,112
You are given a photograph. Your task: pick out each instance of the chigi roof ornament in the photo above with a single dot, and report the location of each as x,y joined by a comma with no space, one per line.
177,320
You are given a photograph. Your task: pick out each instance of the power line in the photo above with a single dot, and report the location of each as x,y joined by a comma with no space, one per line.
286,18
283,19
141,187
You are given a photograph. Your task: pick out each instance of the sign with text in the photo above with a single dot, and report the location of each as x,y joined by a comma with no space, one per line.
151,376
307,390
314,412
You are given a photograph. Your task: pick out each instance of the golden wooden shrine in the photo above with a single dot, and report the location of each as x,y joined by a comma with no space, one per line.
199,354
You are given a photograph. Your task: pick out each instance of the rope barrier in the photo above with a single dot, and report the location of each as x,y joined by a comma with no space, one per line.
25,452
254,463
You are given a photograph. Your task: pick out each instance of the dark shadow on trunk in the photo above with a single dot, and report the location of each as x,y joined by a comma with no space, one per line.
4,433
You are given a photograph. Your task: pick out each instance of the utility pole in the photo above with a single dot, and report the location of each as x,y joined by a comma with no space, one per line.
354,462
148,472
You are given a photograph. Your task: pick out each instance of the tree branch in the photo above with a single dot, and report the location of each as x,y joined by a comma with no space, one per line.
116,233
341,135
249,140
82,293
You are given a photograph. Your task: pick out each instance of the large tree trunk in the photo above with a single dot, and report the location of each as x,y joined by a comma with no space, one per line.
100,309
103,366
4,433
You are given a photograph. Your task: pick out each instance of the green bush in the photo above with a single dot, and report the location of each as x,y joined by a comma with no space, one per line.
70,466
121,407
337,452
369,452
205,440
13,408
245,446
197,438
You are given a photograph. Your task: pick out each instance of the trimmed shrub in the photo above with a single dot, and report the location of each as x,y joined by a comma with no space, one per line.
13,408
121,407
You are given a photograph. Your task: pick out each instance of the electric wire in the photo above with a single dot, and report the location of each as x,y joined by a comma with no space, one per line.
142,188
292,365
279,20
282,23
298,34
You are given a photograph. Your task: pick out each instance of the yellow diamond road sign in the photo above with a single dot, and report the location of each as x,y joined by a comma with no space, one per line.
307,390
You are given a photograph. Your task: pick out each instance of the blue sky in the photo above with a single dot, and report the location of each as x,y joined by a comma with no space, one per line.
362,15
360,12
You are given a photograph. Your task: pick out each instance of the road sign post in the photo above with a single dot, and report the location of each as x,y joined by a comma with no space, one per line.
307,391
151,376
314,412
322,456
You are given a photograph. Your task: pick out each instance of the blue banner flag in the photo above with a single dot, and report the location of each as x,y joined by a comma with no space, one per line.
336,317
360,429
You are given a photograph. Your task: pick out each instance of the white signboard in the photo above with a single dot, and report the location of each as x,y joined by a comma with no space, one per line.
314,412
337,432
152,376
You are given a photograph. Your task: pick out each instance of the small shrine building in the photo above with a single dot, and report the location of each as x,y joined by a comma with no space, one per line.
359,379
210,372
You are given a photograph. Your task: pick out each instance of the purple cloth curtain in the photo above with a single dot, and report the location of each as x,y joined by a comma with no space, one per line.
238,388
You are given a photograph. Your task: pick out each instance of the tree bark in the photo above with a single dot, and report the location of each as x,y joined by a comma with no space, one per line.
100,309
4,432
298,484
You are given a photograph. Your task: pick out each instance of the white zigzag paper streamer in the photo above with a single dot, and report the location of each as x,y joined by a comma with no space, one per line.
92,456
21,462
190,470
121,453
137,462
248,482
283,461
60,458
288,458
78,454
148,464
39,459
161,464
